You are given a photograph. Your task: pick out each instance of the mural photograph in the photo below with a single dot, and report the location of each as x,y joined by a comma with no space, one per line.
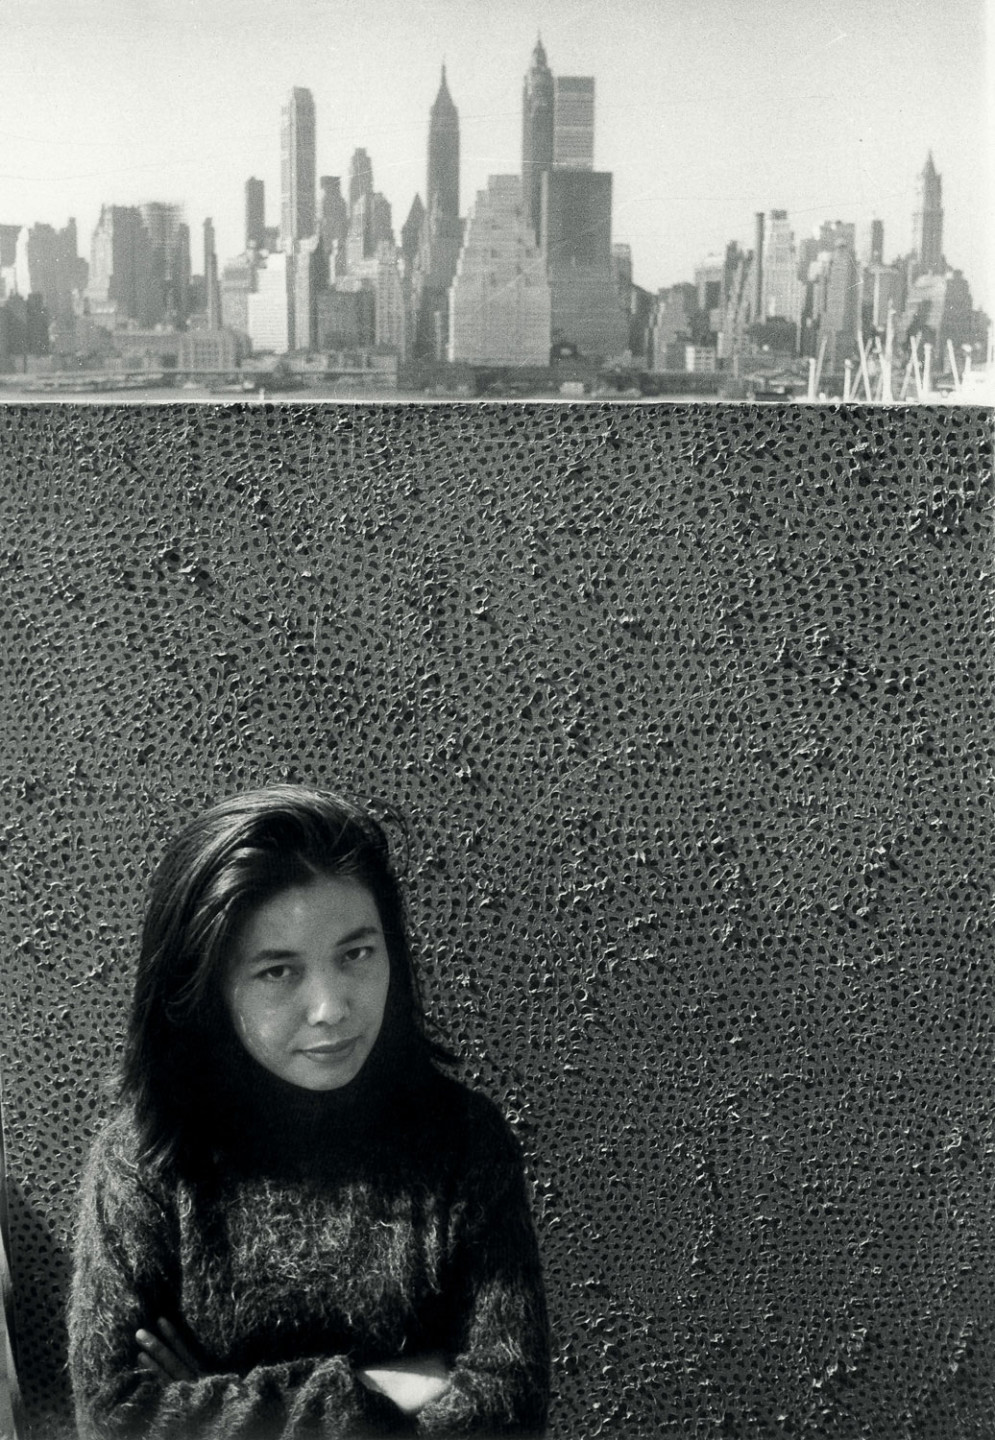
322,201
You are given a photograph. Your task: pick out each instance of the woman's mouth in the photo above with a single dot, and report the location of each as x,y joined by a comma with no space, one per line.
331,1051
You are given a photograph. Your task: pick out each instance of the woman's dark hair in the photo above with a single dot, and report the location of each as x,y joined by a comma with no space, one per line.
213,873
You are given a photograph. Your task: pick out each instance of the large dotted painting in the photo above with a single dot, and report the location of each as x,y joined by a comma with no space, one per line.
690,713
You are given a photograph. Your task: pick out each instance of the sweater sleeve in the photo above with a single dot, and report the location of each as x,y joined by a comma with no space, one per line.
121,1282
499,1382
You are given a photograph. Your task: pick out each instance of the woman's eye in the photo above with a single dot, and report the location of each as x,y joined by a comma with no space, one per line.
274,972
357,953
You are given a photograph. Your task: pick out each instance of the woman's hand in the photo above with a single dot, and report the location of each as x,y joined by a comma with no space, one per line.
411,1384
166,1354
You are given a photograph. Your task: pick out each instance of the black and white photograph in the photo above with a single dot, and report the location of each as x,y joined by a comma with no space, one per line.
496,720
319,199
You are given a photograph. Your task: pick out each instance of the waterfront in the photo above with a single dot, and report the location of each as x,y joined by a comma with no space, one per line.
312,395
157,396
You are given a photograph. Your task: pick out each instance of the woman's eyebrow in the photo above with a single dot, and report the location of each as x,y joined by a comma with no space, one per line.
362,932
279,952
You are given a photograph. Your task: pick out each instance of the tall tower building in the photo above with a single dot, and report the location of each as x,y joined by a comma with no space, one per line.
577,248
381,222
10,276
298,168
877,242
671,328
758,265
710,284
881,293
357,237
841,316
369,227
238,281
737,291
443,153
269,305
255,214
573,122
360,176
309,271
118,287
212,294
442,232
927,222
411,233
390,318
499,303
837,232
782,292
209,250
334,220
169,261
46,264
537,134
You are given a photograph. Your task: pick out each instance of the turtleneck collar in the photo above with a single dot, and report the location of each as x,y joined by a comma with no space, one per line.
271,1125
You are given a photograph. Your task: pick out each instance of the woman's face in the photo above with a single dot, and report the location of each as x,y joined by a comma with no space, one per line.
306,982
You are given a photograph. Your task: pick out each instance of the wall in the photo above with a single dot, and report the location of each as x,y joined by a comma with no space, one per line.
690,708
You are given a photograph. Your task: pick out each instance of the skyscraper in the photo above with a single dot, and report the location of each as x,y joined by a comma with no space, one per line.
939,307
831,313
209,244
169,261
360,176
269,305
238,281
255,214
737,301
212,294
442,231
499,303
782,292
841,315
118,287
710,284
391,329
672,327
298,168
573,122
577,247
758,265
369,227
443,153
309,271
334,220
837,232
53,269
881,293
10,281
537,133
346,316
411,233
927,222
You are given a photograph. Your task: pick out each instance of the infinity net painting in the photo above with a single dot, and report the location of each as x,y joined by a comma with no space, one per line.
689,710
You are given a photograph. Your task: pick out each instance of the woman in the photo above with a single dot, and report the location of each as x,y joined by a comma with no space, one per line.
297,1225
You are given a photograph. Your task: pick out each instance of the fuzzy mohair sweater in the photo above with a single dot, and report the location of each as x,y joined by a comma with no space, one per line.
318,1244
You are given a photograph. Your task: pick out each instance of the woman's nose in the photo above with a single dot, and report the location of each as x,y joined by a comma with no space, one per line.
326,1000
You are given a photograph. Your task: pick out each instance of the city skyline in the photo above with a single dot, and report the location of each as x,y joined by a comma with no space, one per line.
702,118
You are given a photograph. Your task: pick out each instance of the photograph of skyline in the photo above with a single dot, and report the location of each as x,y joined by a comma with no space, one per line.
703,117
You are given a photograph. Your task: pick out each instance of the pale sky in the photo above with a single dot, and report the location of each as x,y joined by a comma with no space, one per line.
705,111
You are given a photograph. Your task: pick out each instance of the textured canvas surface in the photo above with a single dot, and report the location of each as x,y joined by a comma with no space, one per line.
690,710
